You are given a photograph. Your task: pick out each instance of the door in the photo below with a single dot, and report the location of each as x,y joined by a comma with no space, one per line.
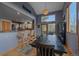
51,28
44,29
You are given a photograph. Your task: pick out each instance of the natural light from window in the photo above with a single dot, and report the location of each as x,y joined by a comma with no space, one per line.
49,18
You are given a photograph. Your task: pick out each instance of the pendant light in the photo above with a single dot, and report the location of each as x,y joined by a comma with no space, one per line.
45,10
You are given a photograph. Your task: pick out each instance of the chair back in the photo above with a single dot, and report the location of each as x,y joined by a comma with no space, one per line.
45,50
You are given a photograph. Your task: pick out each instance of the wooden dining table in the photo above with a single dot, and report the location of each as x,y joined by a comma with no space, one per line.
50,40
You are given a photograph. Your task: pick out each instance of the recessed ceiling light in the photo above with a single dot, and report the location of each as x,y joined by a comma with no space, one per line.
18,13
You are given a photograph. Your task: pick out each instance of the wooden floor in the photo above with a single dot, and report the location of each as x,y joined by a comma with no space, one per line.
32,52
15,52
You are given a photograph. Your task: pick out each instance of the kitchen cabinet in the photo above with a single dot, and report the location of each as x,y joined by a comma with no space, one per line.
5,25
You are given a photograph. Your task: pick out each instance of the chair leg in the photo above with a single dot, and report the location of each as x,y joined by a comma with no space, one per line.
60,54
47,52
38,52
52,52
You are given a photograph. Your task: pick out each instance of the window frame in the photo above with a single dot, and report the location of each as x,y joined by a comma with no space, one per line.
68,20
48,21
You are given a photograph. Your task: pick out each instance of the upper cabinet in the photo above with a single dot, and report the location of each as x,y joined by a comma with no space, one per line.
5,25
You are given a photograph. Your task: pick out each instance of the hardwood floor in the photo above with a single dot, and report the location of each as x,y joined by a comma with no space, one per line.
69,50
32,52
15,52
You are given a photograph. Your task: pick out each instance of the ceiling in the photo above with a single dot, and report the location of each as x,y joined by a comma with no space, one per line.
11,14
9,10
52,6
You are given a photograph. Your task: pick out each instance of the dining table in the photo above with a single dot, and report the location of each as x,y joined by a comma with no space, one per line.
50,40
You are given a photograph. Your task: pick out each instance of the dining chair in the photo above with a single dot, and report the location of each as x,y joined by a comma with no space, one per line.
45,50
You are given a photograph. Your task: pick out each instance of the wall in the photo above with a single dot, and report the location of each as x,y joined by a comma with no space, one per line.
58,15
9,13
27,5
72,41
58,18
0,26
78,24
8,41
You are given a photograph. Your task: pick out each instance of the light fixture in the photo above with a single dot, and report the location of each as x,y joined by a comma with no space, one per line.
45,10
18,13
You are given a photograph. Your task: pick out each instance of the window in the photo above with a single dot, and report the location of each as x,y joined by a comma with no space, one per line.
51,28
44,28
49,18
71,18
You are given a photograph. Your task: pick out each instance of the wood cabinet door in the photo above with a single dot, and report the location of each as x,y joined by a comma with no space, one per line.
5,26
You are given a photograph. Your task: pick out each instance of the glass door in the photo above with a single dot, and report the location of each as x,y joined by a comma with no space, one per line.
44,29
51,28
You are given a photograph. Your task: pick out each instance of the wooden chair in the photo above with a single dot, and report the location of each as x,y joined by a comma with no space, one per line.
45,50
